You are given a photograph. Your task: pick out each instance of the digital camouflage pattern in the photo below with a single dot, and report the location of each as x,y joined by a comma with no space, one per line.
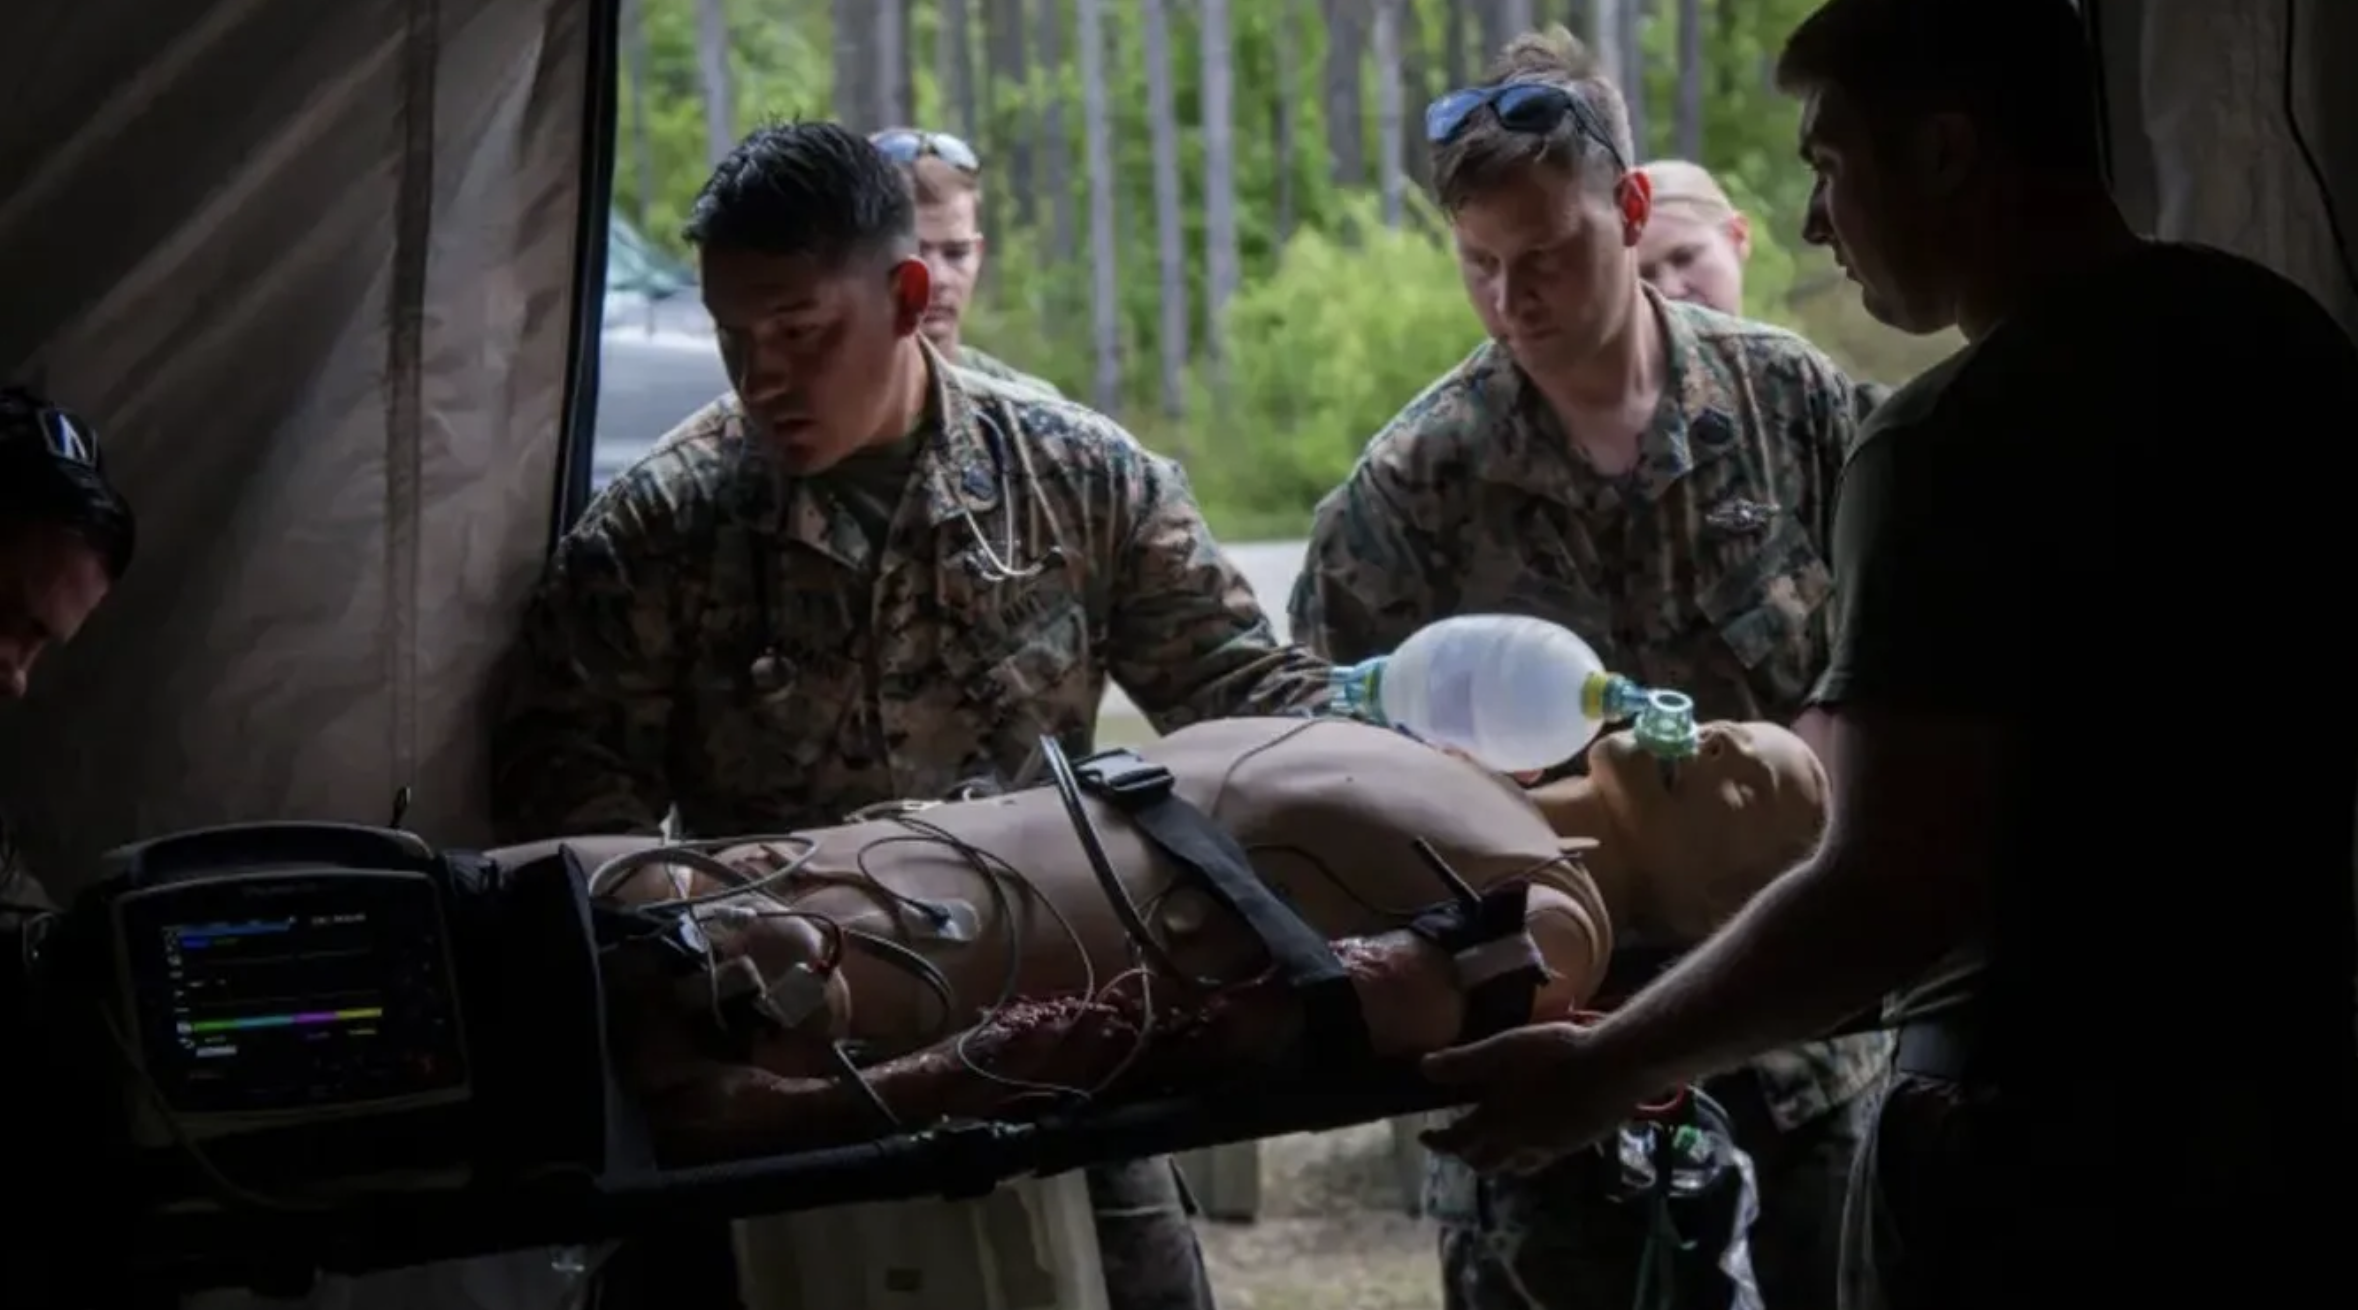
889,674
889,667
1705,569
991,366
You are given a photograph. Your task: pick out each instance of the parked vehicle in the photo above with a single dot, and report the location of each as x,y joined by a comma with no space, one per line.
659,361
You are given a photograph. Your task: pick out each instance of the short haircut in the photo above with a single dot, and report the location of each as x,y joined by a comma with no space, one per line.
816,189
1487,152
40,489
2022,70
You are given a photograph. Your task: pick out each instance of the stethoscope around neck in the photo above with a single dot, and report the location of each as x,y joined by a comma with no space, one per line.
995,565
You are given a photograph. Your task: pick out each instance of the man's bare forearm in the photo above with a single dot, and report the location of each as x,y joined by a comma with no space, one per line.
1812,951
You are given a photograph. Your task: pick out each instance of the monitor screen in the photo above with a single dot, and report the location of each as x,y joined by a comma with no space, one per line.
292,989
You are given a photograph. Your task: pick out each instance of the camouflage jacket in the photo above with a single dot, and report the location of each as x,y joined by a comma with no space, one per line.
1705,569
715,636
991,366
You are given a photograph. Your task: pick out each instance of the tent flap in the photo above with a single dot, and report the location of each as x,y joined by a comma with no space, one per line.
2204,147
308,269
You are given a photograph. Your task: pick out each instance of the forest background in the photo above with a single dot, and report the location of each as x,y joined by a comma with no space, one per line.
1207,217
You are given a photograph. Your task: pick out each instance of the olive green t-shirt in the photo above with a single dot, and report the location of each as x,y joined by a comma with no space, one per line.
867,485
2103,528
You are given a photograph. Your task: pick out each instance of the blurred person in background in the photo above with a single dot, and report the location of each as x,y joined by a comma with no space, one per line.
946,174
1696,244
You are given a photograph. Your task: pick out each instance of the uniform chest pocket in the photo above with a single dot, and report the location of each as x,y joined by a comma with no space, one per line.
767,715
1036,658
1769,607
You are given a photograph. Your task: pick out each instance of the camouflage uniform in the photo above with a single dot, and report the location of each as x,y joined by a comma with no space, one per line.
763,654
991,366
1704,570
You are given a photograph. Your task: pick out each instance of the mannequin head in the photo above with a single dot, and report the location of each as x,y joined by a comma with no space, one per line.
1707,835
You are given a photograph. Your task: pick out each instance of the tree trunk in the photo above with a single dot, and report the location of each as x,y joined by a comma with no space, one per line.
1633,74
1104,280
1515,16
1454,66
1009,38
1691,73
853,101
1491,20
954,69
1221,261
712,68
1170,226
1056,143
890,57
1282,115
1416,91
1391,176
1341,92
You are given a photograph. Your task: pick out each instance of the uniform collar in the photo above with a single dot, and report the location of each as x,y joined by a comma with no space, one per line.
960,468
1694,422
955,471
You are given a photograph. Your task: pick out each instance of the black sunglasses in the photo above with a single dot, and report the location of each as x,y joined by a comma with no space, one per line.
61,435
904,145
1531,108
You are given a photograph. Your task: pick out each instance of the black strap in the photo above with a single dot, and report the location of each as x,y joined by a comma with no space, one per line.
1501,1000
1334,1028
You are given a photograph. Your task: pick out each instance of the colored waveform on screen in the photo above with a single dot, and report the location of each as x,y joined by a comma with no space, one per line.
199,1027
200,936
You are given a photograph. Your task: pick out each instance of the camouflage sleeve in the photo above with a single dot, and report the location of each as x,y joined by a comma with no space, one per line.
1837,411
1366,582
583,725
1189,640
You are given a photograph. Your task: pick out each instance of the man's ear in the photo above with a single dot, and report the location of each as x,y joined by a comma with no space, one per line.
912,290
1633,195
1943,153
1740,236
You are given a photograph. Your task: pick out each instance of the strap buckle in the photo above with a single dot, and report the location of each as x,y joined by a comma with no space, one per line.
1120,775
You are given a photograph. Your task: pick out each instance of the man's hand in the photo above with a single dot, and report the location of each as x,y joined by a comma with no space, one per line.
1545,1091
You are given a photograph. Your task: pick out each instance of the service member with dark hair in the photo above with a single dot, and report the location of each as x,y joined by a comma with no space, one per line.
868,576
66,537
2126,1050
1658,477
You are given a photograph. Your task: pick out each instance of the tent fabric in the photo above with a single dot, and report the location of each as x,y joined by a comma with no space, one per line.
309,270
2203,148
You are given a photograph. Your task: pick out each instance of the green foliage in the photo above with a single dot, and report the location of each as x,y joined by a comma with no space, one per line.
1324,351
1338,322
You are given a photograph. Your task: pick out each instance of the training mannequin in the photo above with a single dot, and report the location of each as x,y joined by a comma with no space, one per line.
1327,810
1680,847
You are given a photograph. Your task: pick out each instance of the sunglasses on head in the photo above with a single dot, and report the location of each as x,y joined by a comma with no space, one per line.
61,435
1530,108
906,146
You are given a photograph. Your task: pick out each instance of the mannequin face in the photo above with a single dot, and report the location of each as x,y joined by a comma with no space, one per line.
1746,808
